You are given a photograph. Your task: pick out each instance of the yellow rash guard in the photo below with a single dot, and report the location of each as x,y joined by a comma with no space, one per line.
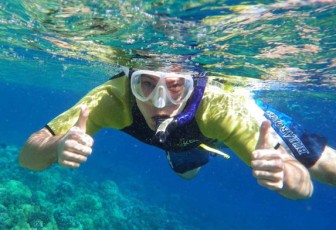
109,104
226,114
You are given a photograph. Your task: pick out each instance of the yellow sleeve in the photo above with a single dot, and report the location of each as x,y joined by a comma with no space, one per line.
230,115
109,104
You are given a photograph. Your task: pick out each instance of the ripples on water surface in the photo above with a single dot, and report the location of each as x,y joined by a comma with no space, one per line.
291,41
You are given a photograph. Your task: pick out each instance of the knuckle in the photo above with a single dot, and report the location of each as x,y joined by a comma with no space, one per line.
64,155
73,165
74,129
278,185
80,158
280,176
84,159
68,143
89,151
255,154
258,173
87,139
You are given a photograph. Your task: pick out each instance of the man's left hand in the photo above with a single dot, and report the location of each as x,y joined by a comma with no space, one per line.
267,162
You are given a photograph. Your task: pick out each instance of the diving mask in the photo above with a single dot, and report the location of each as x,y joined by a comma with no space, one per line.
160,88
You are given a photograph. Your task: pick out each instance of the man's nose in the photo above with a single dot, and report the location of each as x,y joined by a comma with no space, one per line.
159,98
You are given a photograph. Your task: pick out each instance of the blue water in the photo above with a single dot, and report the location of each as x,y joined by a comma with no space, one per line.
37,84
223,196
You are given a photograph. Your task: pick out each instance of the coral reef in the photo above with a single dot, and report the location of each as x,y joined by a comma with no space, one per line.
64,199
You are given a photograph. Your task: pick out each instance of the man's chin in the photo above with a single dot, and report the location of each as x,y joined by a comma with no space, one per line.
151,124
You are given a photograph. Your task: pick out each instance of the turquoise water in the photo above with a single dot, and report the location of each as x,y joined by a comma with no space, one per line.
53,52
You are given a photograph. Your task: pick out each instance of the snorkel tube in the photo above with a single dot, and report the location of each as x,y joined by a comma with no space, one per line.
166,125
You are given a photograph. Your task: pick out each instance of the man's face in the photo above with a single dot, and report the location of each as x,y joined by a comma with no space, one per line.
160,94
149,111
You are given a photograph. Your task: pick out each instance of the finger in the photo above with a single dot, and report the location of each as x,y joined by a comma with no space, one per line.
69,164
80,136
266,154
82,119
269,176
79,149
270,166
263,142
73,157
271,185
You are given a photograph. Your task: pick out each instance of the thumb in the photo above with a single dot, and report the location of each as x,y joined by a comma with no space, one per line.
263,141
82,119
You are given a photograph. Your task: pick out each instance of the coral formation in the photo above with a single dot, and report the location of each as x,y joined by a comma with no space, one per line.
63,199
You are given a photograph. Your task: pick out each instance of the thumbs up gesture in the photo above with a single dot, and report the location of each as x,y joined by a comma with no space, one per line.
267,163
75,146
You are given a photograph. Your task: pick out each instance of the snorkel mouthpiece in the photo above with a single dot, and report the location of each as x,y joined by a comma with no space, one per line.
164,126
159,120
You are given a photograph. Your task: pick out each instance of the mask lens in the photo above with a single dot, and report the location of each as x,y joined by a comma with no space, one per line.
148,84
143,85
177,88
161,88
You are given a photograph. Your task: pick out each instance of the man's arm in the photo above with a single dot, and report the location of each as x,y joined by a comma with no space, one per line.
324,170
42,149
277,170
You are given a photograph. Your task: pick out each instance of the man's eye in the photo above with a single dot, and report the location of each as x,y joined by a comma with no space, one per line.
147,85
175,87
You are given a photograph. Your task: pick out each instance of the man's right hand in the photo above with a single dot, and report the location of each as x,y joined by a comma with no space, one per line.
267,163
75,146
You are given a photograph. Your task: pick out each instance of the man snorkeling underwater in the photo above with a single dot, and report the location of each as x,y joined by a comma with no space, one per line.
186,114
